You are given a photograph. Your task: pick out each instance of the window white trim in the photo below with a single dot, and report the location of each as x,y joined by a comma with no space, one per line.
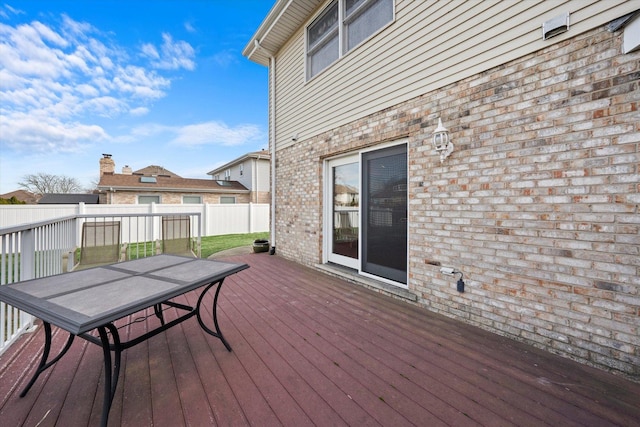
343,22
328,206
327,254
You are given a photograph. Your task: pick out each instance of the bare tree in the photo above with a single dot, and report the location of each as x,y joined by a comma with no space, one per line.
43,183
93,185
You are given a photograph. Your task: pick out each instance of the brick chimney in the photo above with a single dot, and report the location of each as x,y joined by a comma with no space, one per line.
107,165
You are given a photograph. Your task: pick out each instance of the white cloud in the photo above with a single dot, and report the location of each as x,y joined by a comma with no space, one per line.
225,58
189,27
207,133
140,111
150,51
87,90
6,11
46,34
151,129
55,76
217,133
172,55
104,106
76,28
42,134
140,83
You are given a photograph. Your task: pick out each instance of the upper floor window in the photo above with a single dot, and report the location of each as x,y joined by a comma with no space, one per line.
227,175
342,26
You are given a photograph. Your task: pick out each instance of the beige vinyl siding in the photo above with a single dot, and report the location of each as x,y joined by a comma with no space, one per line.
429,45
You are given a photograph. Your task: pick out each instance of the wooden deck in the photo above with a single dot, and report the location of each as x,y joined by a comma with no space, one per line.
309,349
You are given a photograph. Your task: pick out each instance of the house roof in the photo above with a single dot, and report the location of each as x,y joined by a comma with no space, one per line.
22,195
167,183
152,170
68,198
282,21
263,154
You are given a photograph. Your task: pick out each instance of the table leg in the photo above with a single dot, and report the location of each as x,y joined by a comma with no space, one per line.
43,365
157,309
111,370
217,333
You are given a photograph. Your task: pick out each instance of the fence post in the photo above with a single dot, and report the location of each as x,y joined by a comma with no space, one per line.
203,219
250,217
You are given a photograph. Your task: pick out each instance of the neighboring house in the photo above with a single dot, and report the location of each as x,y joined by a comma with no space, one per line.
68,199
537,209
155,184
22,196
252,171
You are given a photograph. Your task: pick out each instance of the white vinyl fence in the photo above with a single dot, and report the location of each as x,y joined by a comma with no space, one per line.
217,219
34,239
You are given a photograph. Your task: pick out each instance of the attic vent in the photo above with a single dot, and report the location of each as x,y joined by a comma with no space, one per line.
555,26
224,183
148,179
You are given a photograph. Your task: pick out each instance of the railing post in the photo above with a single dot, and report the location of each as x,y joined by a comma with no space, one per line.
27,254
27,265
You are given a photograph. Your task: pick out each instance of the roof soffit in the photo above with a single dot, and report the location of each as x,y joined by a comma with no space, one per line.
282,21
258,155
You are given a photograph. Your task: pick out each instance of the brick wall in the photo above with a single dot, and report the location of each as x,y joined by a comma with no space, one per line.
538,205
126,197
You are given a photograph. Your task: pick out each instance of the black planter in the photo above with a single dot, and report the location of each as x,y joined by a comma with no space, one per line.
260,245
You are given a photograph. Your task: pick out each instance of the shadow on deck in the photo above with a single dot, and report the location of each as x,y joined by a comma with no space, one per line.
311,349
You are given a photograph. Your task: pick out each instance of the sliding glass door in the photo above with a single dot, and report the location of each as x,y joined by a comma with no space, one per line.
344,181
367,212
384,213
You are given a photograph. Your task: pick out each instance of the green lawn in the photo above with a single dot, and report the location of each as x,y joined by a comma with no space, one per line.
208,245
211,244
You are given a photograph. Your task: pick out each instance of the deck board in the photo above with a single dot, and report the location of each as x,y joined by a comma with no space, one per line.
312,349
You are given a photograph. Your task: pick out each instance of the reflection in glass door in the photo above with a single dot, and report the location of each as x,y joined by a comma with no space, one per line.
384,213
345,219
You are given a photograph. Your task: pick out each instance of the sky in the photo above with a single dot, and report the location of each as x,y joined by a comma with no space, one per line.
151,82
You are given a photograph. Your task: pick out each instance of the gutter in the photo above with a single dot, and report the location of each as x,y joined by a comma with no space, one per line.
272,138
112,189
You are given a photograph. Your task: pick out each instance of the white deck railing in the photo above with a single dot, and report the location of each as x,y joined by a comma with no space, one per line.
28,252
49,247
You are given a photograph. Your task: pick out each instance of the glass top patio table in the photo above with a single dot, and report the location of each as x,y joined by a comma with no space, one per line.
82,300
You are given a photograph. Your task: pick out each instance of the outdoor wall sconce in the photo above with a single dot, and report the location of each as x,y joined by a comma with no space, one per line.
441,142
